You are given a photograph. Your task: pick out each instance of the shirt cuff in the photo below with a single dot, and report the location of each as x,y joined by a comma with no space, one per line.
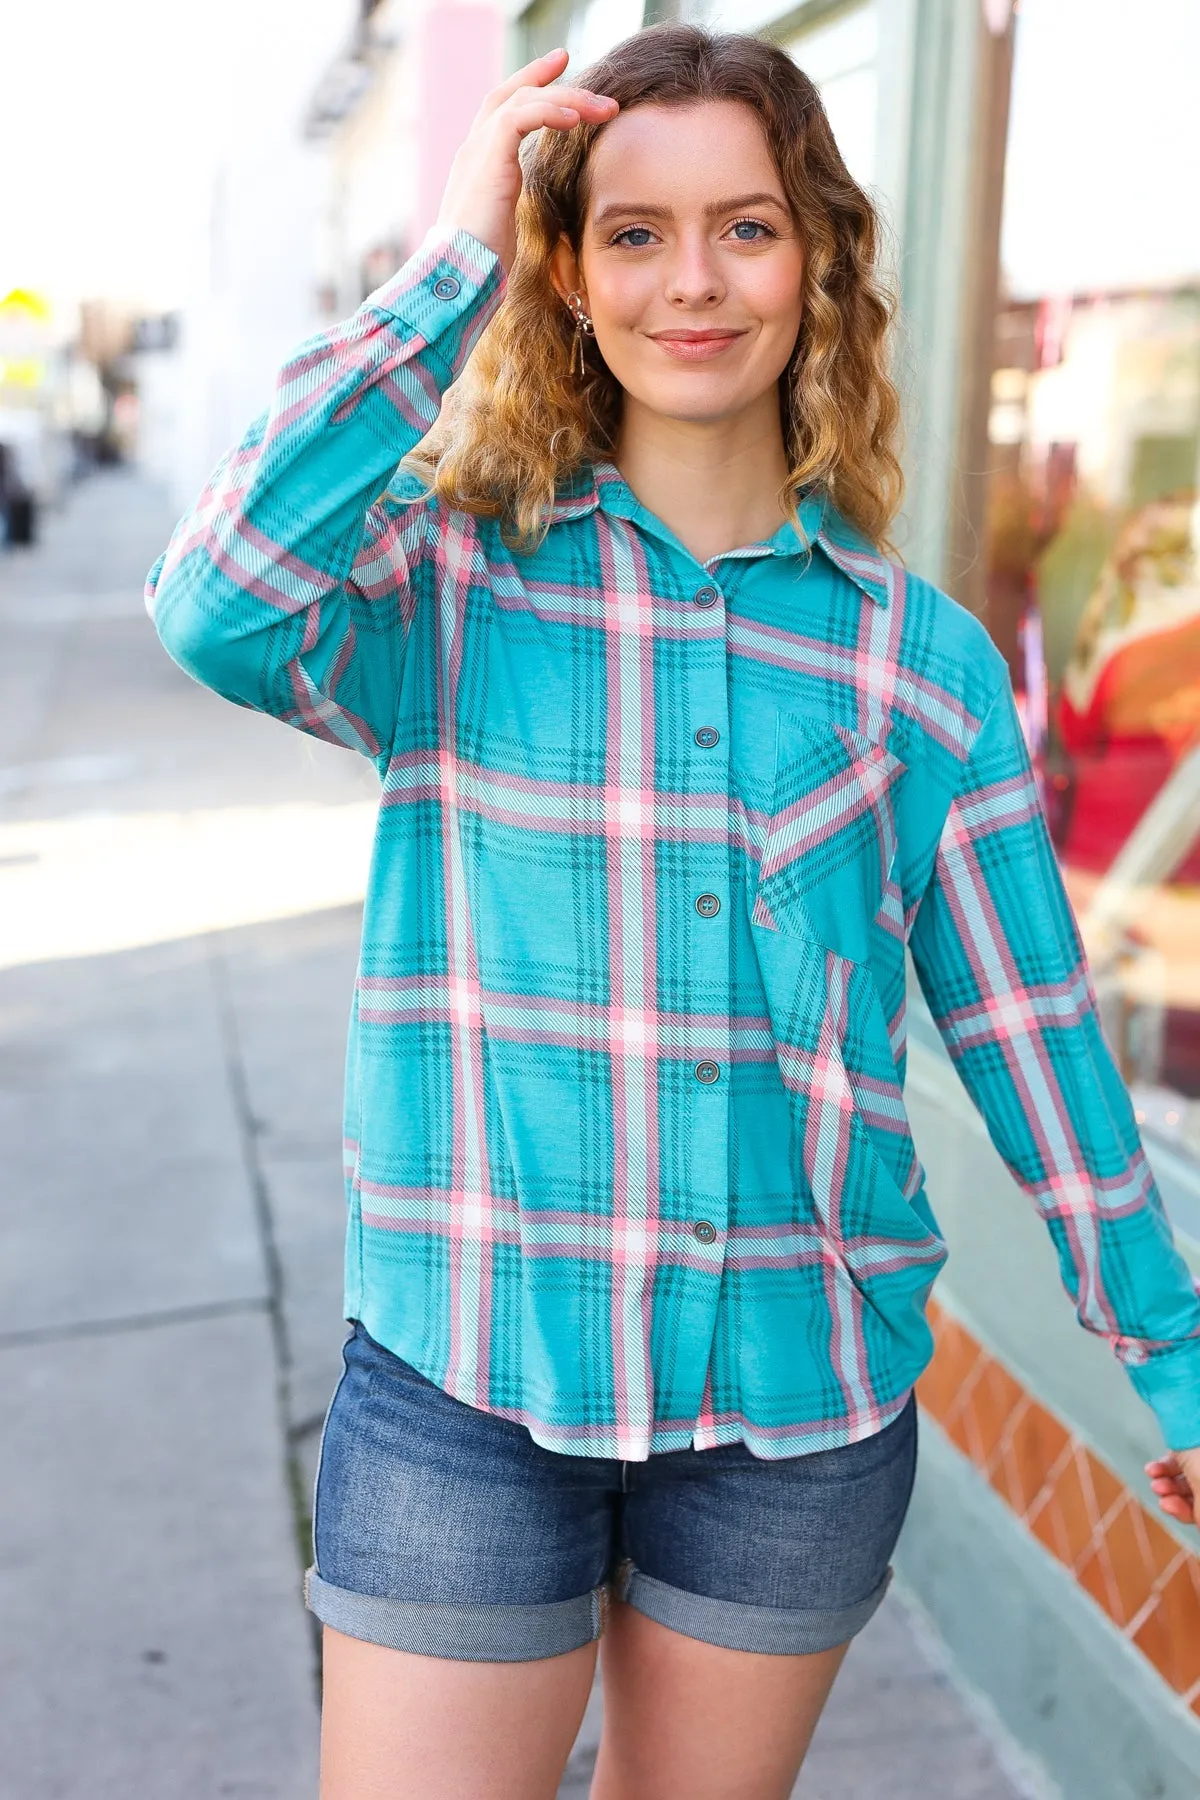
1169,1381
446,293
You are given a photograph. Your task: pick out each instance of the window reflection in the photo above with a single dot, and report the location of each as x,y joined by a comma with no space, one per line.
1093,593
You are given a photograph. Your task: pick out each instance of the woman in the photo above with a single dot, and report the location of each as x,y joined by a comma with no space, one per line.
674,764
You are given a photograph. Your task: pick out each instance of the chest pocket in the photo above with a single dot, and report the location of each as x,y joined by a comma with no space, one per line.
831,838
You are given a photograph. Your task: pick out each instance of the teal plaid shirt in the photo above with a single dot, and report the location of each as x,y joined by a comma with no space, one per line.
627,1152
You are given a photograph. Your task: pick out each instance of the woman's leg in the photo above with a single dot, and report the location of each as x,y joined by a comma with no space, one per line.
396,1726
742,1585
458,1574
682,1717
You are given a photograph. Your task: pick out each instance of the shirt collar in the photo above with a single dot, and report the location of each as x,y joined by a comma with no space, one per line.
600,484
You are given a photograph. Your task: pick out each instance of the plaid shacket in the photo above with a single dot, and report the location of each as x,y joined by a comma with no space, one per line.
628,1158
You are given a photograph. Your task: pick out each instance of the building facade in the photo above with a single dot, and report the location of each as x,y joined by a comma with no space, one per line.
390,109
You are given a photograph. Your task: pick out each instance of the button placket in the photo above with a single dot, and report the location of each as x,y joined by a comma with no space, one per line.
710,951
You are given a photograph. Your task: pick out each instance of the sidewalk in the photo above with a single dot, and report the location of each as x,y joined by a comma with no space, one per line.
176,955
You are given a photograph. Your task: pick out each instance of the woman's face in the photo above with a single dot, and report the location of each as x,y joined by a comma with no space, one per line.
690,262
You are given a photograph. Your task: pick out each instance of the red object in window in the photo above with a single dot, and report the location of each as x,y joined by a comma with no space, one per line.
1144,711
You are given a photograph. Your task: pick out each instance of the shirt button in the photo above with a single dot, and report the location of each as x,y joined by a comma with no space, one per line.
708,906
704,1232
707,1071
707,736
446,287
706,596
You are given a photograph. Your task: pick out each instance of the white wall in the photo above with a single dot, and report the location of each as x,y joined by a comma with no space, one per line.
252,289
841,55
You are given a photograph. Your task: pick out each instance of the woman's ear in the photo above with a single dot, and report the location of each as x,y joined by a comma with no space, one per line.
565,273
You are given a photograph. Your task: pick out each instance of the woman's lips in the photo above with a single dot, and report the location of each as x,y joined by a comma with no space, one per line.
697,346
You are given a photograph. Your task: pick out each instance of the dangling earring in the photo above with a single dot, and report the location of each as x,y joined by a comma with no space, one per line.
583,328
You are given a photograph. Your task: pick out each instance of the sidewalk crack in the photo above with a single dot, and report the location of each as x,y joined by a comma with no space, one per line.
250,1131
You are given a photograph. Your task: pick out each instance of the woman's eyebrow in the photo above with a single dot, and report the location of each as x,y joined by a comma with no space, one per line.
618,208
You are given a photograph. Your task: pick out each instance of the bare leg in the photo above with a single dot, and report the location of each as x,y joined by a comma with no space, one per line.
686,1718
401,1727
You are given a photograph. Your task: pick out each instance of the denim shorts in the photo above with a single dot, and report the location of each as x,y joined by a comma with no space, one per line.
443,1529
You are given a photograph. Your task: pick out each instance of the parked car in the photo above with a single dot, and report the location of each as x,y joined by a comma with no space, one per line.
18,507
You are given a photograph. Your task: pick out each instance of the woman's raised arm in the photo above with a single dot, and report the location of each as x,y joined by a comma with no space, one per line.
290,585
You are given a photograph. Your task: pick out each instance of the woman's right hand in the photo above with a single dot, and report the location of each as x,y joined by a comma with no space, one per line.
485,177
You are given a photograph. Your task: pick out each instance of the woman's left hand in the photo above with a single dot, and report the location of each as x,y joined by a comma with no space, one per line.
1175,1478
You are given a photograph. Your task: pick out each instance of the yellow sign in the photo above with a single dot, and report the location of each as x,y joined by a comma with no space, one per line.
23,303
22,371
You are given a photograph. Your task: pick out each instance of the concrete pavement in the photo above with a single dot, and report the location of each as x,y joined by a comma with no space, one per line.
175,973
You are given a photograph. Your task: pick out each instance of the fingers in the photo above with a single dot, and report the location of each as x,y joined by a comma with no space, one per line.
1174,1497
1170,1481
583,100
533,118
558,115
534,74
529,83
1173,1490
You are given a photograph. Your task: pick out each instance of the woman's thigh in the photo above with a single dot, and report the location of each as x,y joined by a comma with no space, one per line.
460,1576
683,1717
399,1726
741,1587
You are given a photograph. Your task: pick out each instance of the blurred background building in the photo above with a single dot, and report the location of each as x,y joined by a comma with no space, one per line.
1038,165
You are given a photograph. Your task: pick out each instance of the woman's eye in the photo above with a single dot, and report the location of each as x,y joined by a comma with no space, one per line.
746,230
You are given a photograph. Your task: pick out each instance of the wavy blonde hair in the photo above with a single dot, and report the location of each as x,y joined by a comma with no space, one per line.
520,422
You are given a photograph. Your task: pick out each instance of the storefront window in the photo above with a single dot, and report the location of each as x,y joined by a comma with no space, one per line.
587,28
598,25
840,54
1093,527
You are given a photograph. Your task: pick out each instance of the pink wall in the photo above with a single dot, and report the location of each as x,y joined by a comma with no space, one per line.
460,55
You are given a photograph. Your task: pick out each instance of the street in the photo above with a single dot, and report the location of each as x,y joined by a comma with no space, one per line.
179,884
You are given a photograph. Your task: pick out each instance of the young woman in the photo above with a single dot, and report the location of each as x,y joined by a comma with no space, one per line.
675,764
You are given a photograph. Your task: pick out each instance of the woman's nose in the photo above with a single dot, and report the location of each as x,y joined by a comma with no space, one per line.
694,278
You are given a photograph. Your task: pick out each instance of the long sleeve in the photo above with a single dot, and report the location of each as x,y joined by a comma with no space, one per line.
289,586
1000,960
